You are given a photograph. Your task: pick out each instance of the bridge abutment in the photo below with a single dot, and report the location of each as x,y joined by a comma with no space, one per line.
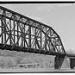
72,63
58,61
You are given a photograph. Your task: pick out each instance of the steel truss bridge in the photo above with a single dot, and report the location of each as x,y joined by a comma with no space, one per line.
21,33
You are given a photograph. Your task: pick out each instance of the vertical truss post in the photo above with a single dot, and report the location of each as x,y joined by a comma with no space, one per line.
1,30
24,36
41,38
4,27
14,30
10,32
46,42
29,36
17,34
35,38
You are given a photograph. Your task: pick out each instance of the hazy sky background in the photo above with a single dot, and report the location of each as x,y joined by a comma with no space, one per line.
59,16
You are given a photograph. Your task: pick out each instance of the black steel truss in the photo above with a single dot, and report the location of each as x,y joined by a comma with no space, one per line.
18,32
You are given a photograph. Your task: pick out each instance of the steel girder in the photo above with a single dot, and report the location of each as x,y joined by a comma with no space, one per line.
17,30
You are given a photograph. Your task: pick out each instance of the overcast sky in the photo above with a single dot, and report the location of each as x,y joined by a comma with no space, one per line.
59,16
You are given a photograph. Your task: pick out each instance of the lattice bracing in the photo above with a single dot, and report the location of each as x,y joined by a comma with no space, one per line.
17,30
